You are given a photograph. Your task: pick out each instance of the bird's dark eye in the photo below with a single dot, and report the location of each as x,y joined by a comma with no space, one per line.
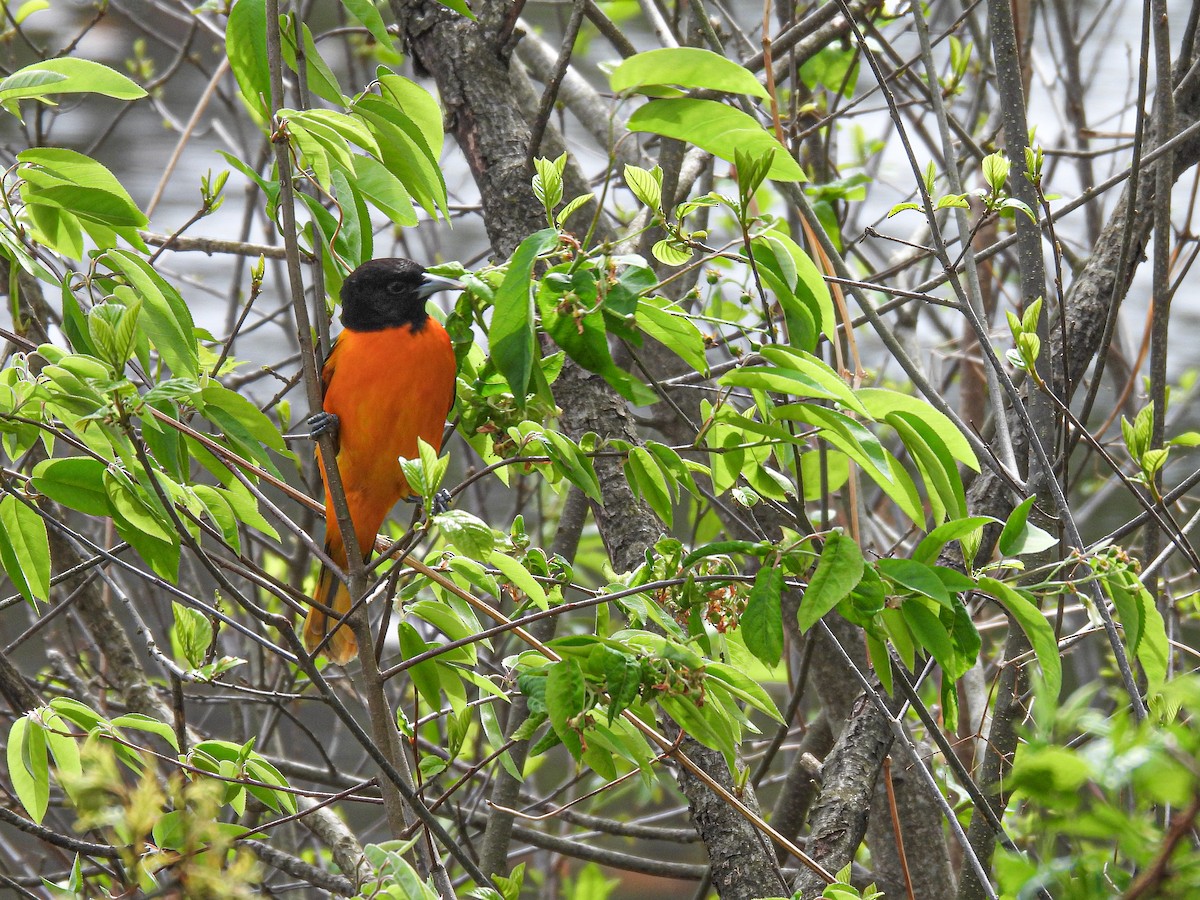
395,287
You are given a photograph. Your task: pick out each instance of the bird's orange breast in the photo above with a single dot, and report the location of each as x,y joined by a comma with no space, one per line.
388,388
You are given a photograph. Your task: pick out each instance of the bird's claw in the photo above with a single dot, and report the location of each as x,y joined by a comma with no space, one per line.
441,501
321,424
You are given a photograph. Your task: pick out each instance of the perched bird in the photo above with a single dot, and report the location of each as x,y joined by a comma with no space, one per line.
389,380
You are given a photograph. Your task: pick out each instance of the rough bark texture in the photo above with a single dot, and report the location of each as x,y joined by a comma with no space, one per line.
922,826
470,62
839,817
741,858
801,786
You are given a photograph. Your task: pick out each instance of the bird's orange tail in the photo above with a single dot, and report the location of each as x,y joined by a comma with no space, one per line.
342,645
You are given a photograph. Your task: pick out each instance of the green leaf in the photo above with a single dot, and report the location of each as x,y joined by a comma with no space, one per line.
572,207
717,128
449,622
548,180
706,724
880,661
762,620
916,577
367,14
838,570
424,674
1043,771
321,80
469,534
460,7
794,279
956,201
931,545
241,418
79,714
165,319
857,442
420,106
646,184
62,746
686,67
577,467
622,680
995,171
650,482
1020,536
672,252
246,47
404,150
384,190
669,325
812,370
511,335
931,633
569,315
1130,611
25,549
565,694
66,75
943,485
74,481
879,402
28,766
743,687
521,579
1154,652
191,635
140,722
1036,628
78,184
61,231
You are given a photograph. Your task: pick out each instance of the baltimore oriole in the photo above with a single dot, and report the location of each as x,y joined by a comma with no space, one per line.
389,380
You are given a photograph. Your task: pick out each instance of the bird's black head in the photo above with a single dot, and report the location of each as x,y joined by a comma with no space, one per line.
386,293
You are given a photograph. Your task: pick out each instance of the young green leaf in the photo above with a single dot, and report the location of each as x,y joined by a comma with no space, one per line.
717,128
687,67
469,534
838,570
28,765
521,579
646,185
916,577
1041,636
246,48
762,620
1020,536
74,481
65,75
565,695
368,16
25,549
511,333
995,171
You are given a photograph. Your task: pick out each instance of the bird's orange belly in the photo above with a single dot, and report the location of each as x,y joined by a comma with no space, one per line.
389,389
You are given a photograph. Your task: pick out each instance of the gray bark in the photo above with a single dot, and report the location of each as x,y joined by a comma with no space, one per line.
839,817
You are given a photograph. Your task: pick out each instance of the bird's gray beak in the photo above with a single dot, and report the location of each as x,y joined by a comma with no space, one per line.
435,283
